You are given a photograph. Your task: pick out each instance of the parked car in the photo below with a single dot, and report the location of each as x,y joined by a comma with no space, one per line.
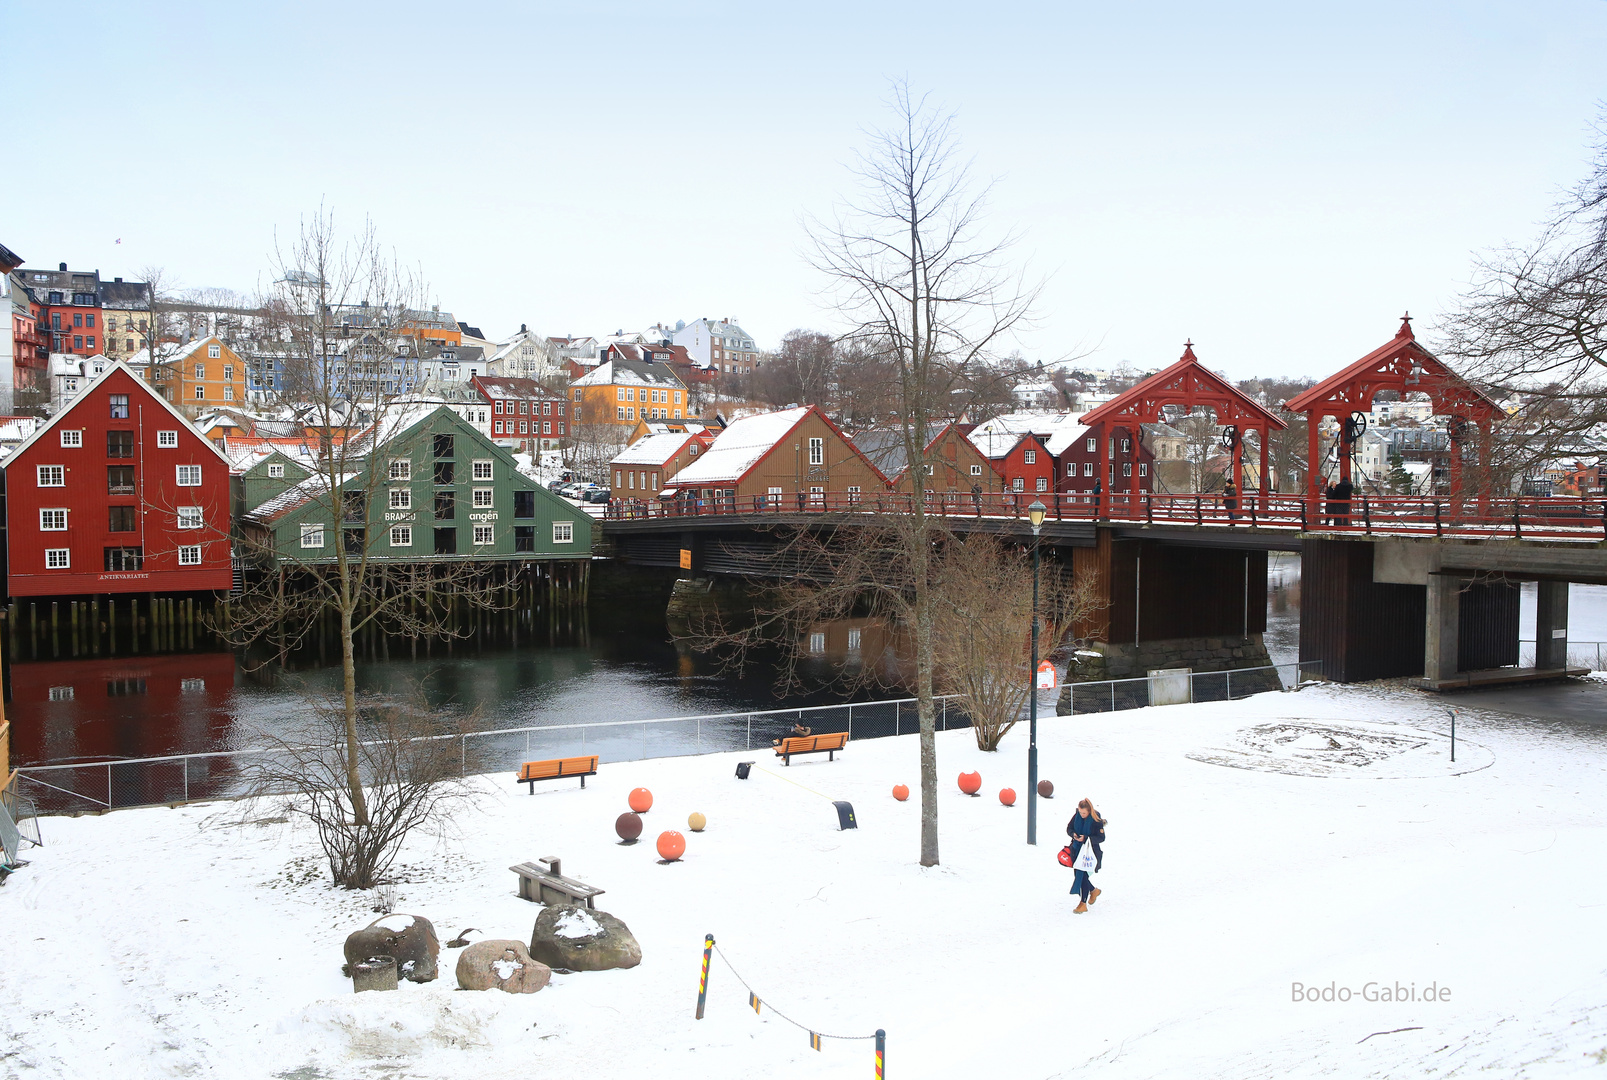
598,495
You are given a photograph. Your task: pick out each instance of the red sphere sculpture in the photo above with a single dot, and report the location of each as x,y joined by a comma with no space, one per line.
1007,796
970,782
641,800
1046,789
900,792
671,845
628,826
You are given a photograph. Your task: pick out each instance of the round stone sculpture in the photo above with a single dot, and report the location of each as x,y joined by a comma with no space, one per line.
970,782
900,792
641,800
671,845
696,822
629,826
574,938
1007,796
501,964
409,938
1046,789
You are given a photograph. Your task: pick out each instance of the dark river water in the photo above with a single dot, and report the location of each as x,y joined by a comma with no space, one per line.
605,667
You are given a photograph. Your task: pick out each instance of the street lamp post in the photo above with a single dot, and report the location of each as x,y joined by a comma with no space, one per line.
1035,514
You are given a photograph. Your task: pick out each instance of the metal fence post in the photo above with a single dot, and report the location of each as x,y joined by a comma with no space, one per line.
1230,684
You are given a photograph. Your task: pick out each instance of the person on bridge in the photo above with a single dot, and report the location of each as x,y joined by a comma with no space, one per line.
1230,500
1339,501
1083,829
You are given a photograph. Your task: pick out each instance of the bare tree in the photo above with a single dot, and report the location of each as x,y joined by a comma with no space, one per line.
982,627
592,445
341,312
801,372
411,775
909,269
1533,325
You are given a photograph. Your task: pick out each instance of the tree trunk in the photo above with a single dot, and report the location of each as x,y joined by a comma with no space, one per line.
348,665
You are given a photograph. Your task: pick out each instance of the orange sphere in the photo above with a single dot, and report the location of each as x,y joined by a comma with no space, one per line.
641,800
970,782
900,792
671,845
1007,796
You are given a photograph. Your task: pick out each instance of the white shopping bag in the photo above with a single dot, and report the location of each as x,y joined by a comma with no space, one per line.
1085,858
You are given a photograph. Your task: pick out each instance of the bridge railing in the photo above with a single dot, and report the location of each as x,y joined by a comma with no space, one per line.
1517,517
181,778
1585,654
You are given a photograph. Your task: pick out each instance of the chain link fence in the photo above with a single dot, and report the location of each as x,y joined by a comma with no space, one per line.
180,778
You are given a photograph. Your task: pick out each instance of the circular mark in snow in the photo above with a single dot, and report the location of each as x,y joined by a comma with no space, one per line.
1336,748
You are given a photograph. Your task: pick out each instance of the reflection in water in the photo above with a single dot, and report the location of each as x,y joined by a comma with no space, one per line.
1283,607
196,702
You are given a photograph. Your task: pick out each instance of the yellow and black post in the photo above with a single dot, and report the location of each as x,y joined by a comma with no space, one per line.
814,1040
881,1053
703,982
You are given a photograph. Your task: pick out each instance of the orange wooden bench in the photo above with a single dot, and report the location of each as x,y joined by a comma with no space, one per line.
811,744
531,771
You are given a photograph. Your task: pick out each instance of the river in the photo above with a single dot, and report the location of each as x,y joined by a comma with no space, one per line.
610,667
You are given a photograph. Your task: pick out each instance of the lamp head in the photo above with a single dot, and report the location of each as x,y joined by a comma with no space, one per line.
1035,513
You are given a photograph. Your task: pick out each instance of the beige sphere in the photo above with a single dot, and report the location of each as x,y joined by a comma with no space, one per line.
696,822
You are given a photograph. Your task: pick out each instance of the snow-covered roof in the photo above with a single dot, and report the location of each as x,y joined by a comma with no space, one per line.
161,402
995,438
740,446
654,449
313,487
628,373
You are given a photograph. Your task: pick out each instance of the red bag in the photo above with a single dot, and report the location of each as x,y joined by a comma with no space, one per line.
1065,855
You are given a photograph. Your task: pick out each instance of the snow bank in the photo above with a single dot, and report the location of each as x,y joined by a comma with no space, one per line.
1229,890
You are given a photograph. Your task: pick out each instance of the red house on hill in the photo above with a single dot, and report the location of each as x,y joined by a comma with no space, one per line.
117,493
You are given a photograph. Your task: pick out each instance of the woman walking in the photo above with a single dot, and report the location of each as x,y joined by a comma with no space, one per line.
1086,828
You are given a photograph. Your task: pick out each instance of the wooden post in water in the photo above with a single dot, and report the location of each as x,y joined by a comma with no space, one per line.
73,622
33,629
55,630
94,625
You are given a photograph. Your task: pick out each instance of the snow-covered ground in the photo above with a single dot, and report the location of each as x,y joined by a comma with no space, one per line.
1320,838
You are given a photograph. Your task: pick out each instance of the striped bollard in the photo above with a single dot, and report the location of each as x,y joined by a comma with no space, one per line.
703,982
881,1053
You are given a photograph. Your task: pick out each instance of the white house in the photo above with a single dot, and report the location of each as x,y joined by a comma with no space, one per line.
723,345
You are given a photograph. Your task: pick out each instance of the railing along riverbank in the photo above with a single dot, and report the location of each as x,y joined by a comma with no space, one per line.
93,786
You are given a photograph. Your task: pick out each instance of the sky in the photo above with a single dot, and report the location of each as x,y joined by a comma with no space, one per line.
1277,182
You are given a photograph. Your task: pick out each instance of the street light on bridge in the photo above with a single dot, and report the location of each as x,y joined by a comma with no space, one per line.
1035,514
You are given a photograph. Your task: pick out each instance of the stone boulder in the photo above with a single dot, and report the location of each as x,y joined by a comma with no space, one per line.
501,964
577,939
409,938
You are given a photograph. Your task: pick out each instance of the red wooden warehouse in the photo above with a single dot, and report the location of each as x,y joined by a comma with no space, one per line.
117,493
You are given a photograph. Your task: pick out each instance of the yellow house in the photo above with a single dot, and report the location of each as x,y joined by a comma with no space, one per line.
204,374
625,392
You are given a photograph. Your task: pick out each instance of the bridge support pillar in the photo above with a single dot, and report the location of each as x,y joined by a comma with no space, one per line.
1442,627
1551,625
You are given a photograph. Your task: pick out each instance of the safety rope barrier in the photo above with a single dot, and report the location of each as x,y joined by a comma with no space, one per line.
757,1004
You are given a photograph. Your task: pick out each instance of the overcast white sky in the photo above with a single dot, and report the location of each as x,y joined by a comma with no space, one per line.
1277,181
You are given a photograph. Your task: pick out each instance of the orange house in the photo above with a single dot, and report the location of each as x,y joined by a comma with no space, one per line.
625,391
204,374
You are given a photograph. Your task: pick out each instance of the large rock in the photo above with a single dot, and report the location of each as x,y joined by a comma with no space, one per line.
501,964
409,938
577,939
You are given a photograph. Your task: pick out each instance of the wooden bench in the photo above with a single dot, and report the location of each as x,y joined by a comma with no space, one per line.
541,883
811,744
531,771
